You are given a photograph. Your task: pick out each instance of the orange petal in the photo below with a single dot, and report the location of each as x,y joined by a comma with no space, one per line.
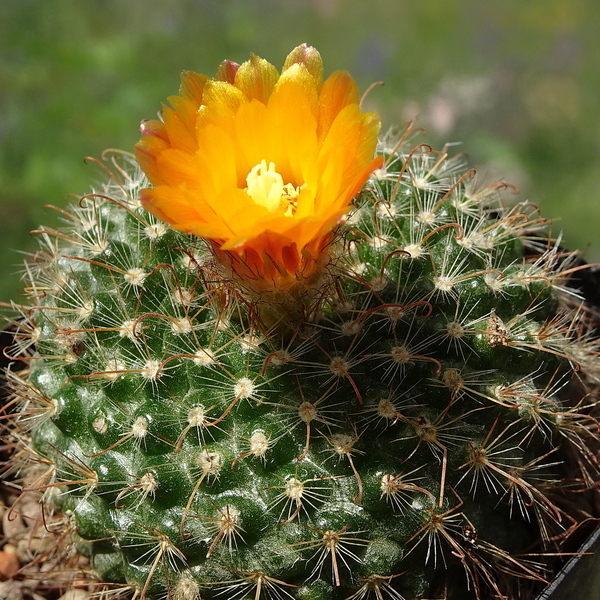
306,198
192,85
154,128
251,147
347,149
309,57
222,101
240,214
256,78
177,168
299,75
180,124
226,71
146,152
293,127
214,163
338,91
168,205
362,176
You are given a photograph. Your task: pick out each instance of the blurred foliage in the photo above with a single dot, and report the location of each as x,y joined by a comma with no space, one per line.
516,81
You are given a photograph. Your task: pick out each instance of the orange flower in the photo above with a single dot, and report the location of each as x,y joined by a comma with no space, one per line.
263,165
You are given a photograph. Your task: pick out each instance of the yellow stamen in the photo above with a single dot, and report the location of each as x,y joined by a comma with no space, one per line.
266,188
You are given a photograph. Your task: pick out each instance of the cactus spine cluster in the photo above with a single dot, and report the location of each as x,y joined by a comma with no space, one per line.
411,432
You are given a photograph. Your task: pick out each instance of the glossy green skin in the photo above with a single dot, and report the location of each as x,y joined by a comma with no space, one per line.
89,435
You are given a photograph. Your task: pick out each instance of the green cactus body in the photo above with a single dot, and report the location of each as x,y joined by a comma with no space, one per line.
405,437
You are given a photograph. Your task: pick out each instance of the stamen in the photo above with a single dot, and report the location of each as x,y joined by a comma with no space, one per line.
266,188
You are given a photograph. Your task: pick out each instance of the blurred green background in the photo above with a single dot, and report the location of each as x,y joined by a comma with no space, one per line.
517,82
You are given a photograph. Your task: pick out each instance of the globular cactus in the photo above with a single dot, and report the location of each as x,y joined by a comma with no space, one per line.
295,362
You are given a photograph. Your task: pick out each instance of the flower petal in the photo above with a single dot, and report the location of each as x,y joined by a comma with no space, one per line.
338,91
150,147
226,71
308,57
180,123
352,136
256,78
192,86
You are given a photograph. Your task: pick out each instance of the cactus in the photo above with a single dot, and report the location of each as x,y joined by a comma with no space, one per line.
393,405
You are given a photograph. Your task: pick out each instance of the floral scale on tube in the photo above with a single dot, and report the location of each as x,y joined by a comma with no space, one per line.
262,165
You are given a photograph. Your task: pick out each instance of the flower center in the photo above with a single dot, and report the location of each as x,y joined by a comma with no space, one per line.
266,188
